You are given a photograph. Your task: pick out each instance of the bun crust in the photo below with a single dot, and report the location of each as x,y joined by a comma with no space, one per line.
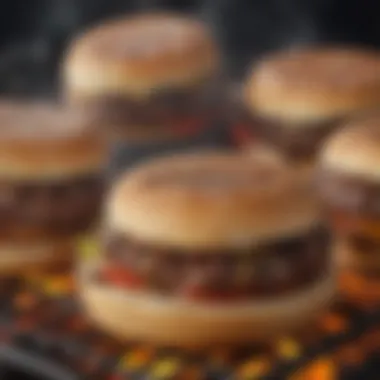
167,321
314,84
211,199
355,149
43,142
16,259
138,54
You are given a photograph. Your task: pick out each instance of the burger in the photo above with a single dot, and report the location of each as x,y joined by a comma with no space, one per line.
295,99
208,248
50,184
349,189
146,76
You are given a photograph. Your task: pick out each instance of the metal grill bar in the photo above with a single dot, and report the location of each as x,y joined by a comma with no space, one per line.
16,358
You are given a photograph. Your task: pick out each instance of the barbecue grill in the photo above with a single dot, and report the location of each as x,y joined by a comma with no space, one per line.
45,335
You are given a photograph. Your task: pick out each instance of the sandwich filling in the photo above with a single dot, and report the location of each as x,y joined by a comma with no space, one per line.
49,209
272,269
350,193
353,206
297,142
166,107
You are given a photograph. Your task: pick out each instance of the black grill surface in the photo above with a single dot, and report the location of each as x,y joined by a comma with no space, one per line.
45,336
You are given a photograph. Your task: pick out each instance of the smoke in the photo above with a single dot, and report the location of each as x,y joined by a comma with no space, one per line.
34,33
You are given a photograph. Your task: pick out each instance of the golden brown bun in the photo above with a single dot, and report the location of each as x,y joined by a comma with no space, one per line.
355,149
174,322
17,259
43,142
211,199
314,84
136,55
264,150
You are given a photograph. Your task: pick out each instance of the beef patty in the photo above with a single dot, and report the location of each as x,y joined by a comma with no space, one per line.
272,269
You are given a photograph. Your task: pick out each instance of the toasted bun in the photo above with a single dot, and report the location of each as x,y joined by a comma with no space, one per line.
138,54
355,150
211,199
314,84
17,259
42,142
174,322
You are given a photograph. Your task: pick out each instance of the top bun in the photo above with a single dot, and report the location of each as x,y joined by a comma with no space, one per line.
43,142
211,199
355,149
138,54
315,84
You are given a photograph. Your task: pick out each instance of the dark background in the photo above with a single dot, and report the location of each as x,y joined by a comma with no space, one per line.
34,33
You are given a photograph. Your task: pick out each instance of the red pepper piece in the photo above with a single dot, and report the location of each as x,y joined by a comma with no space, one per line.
121,277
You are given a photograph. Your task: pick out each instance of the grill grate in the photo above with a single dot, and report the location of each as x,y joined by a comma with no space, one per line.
17,363
42,327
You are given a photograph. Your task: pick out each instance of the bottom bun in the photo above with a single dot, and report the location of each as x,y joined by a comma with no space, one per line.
16,259
173,322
